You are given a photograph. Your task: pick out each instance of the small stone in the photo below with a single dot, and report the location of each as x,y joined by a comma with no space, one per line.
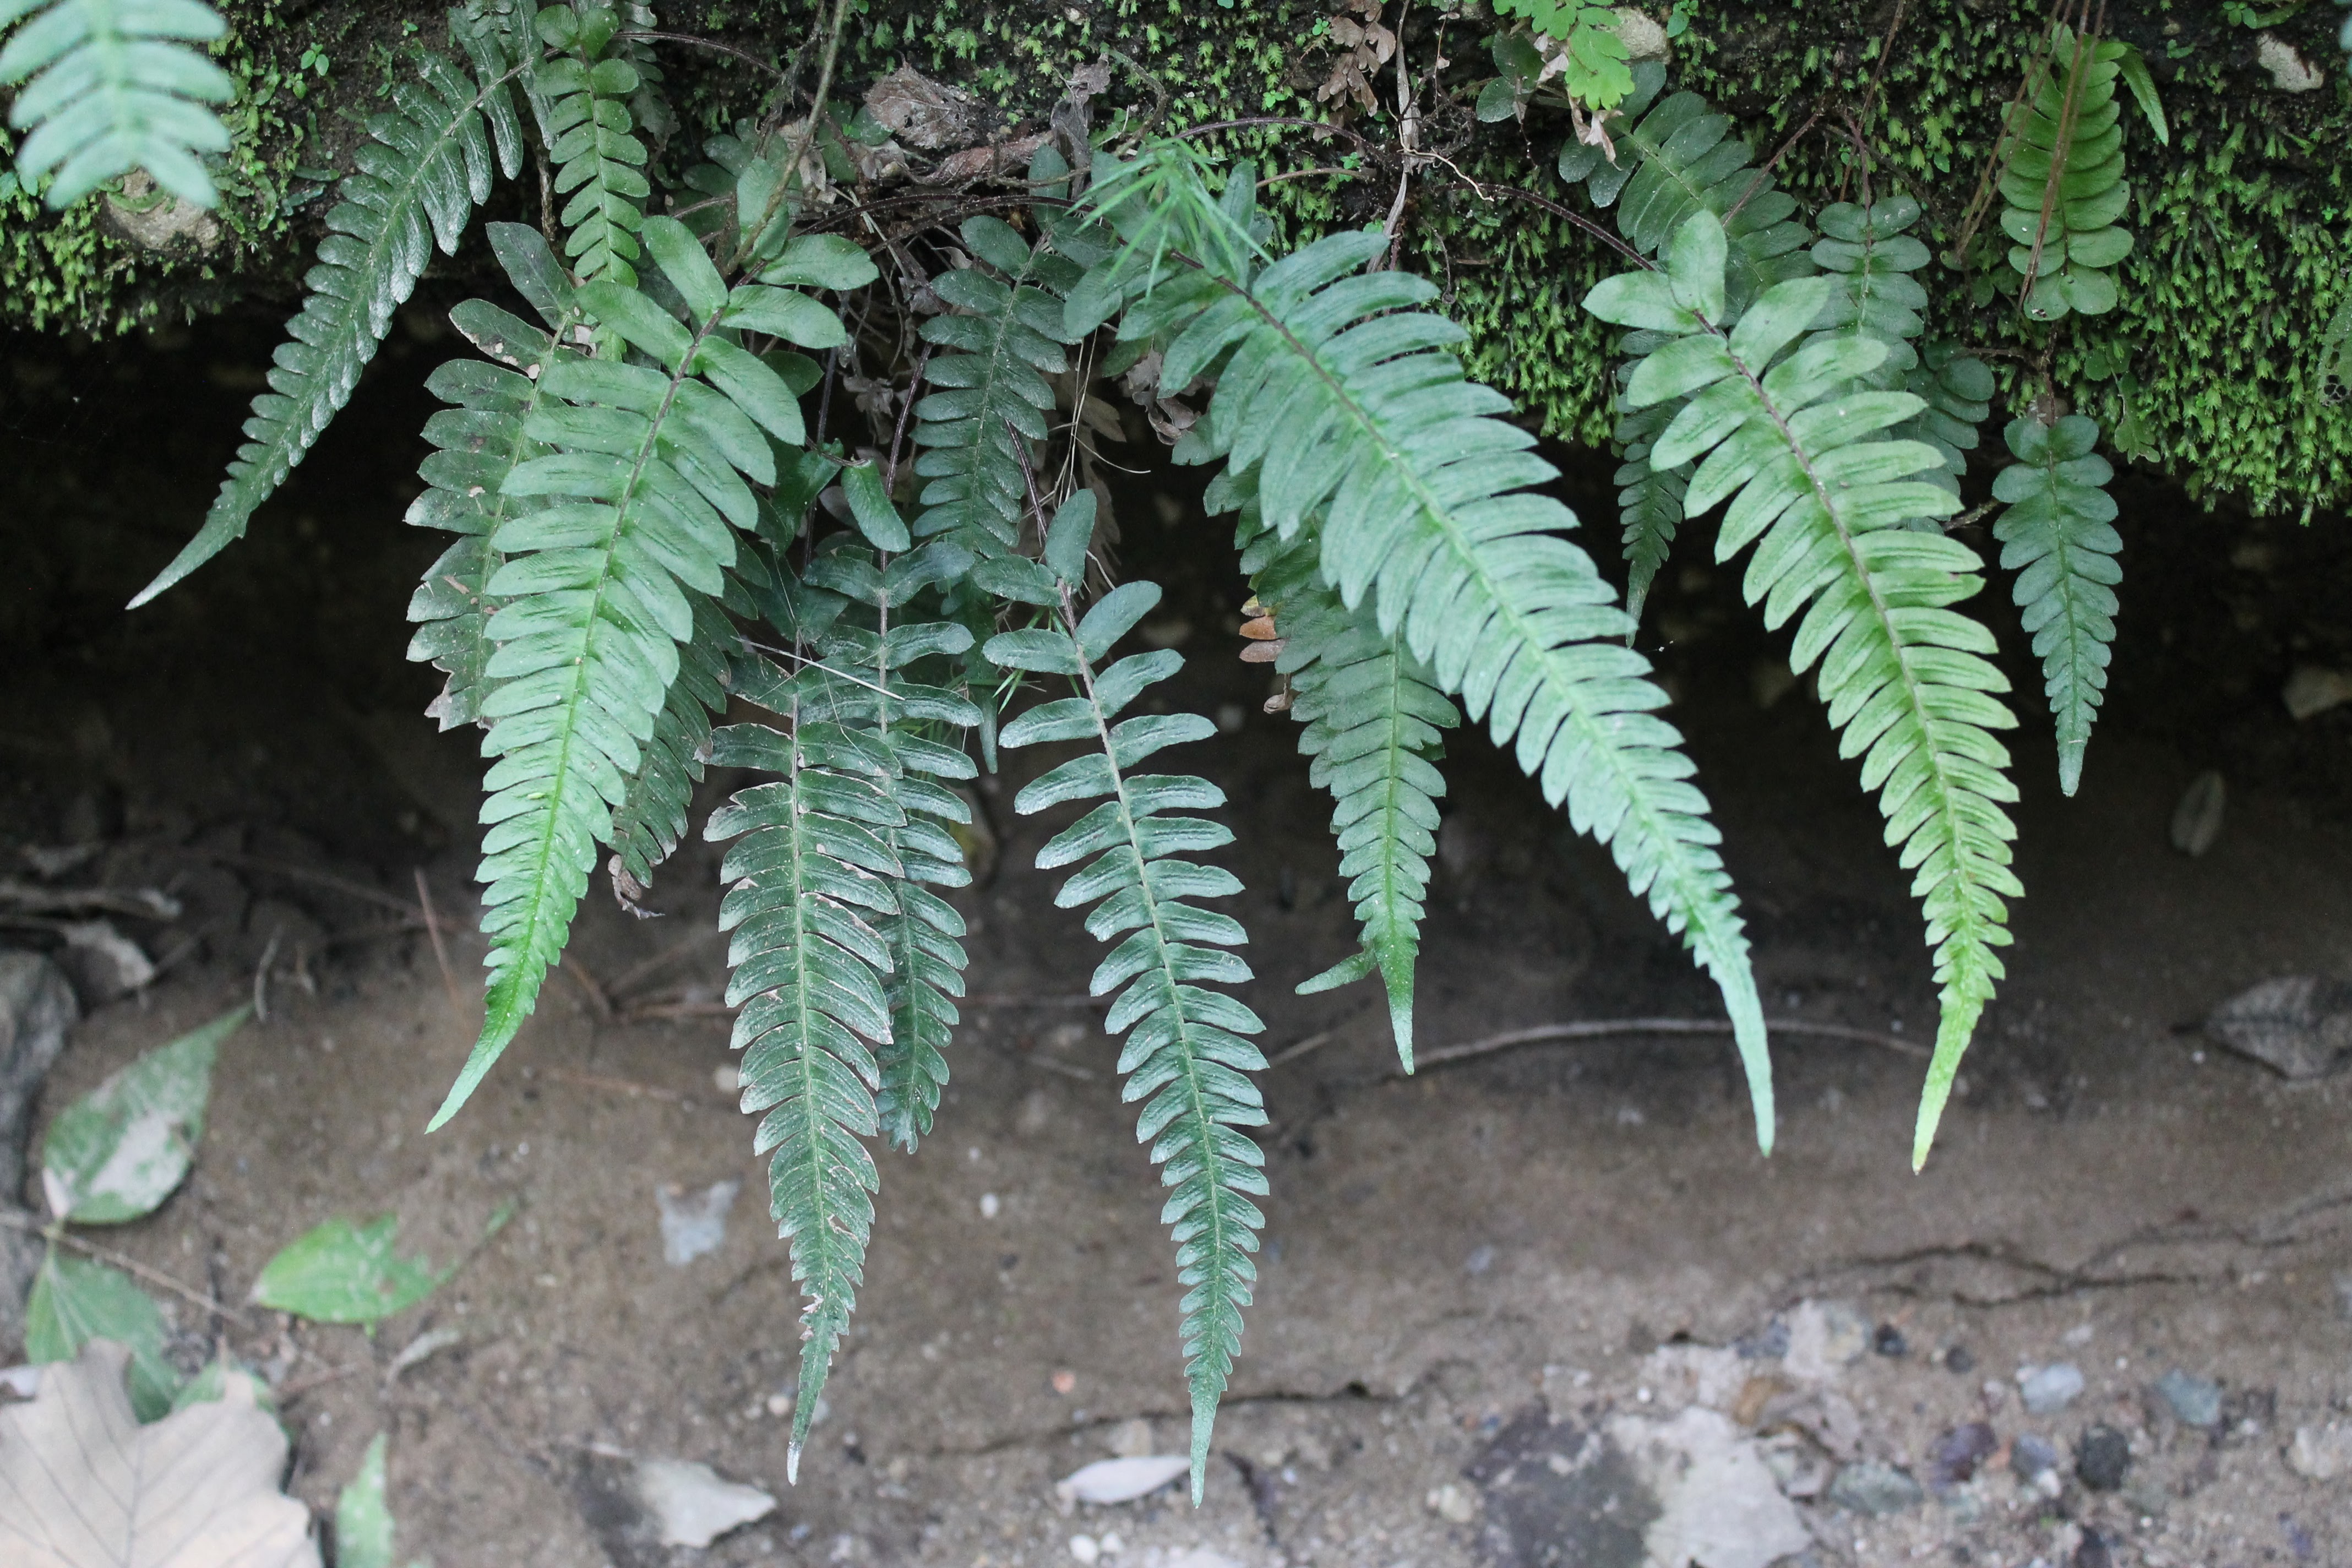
2031,1457
2310,690
1875,1489
1889,1342
2297,1025
694,1224
1823,1337
2046,1390
2101,1458
1452,1504
990,1205
2092,1553
2289,71
2195,1401
1085,1549
1957,1358
2321,1453
1130,1440
2197,819
1958,1453
1771,1341
1481,1259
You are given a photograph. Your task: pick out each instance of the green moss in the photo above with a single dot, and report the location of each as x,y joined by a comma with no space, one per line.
2243,255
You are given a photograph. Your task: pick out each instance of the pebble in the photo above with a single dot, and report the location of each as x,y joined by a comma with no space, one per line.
1889,1342
1957,1358
1958,1453
2321,1453
1085,1549
2298,1025
1875,1489
1823,1337
2197,820
1452,1504
2101,1458
2195,1401
2047,1390
2034,1461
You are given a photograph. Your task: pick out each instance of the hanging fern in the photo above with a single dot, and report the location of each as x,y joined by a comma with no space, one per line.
1343,397
1373,718
599,162
419,179
113,88
1649,501
1186,1051
2062,179
1826,502
2057,533
645,472
1956,391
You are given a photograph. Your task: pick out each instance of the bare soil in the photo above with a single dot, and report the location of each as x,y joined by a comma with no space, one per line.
1455,1263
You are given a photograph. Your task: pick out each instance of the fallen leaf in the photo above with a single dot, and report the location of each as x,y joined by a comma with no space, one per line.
77,1301
1119,1480
83,1485
119,1151
693,1505
343,1272
362,1519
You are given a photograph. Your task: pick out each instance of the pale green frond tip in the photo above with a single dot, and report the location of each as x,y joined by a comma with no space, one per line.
1204,1426
495,1036
1960,1023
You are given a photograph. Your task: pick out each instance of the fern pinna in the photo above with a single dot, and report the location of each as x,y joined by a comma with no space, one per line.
1187,1051
113,87
1828,502
1363,432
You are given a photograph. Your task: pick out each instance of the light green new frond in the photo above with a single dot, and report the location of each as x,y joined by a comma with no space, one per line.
479,441
1342,398
643,486
2057,534
2062,181
1826,501
425,170
811,875
870,679
600,164
114,88
1187,1053
1002,338
1373,721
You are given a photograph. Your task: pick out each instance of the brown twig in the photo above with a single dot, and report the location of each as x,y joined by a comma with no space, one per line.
599,1002
898,432
440,951
701,43
297,1387
617,1085
621,983
31,1226
305,874
1764,170
653,1012
1597,1028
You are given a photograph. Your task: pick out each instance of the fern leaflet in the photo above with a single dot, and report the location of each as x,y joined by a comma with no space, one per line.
1827,504
2057,534
588,127
114,88
2061,180
419,179
1348,404
1186,1054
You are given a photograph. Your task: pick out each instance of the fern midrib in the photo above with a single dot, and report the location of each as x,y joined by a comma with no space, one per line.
1970,927
543,855
1195,1099
2061,153
1672,850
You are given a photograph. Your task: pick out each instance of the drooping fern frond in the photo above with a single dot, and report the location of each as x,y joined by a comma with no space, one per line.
1374,717
1001,341
2061,158
650,821
810,875
2057,534
599,164
1346,401
644,474
1826,501
1648,499
1187,1051
114,88
419,179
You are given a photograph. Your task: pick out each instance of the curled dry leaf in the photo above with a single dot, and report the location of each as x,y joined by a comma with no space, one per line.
83,1485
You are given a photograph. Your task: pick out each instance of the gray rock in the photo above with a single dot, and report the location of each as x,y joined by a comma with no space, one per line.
2195,1401
2031,1458
1558,1493
2297,1026
1719,1503
2101,1458
37,1008
1875,1489
2046,1390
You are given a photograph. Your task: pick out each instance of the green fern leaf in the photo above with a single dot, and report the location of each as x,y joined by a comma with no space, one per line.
811,872
1342,396
650,821
644,474
113,88
1649,501
1001,338
1373,718
420,177
600,164
1956,391
2057,534
1826,502
1187,1053
2062,181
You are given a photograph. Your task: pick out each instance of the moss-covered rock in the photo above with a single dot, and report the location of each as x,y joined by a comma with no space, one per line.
2215,366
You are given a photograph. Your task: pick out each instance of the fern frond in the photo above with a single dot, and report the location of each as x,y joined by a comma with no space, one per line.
1826,502
2062,181
1186,1055
1373,718
2057,534
649,823
599,164
1345,398
113,88
1956,391
419,179
1649,501
810,874
1003,338
644,477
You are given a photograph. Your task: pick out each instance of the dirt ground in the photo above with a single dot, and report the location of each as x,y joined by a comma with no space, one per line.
1469,1275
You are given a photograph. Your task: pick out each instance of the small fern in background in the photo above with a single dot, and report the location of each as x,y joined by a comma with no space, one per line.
113,88
2057,532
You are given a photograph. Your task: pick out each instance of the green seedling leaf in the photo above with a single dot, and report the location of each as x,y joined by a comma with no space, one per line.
77,1300
344,1272
215,1381
118,1152
362,1519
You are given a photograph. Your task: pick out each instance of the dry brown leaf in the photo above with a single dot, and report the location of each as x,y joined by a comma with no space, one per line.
83,1485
